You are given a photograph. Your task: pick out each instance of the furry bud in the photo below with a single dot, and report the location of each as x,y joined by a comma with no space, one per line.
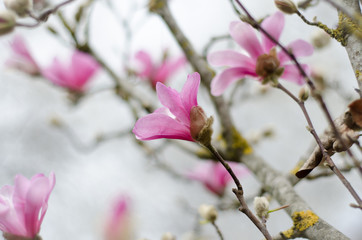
304,93
208,212
7,22
286,6
261,207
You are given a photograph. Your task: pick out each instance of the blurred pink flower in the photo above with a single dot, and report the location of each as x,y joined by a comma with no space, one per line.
262,60
173,120
74,75
23,206
214,176
153,72
21,58
118,225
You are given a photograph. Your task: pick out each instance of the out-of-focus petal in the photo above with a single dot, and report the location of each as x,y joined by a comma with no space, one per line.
167,68
84,67
230,58
171,99
56,73
21,58
189,91
292,74
74,75
34,203
27,204
300,48
227,77
147,66
245,36
156,125
274,25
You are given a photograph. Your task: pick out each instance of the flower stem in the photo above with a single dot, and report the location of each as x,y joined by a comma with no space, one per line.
218,230
239,193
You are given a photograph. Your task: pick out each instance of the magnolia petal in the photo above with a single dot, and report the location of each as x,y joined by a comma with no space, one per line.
155,126
83,67
51,184
147,66
292,73
168,68
189,91
35,202
274,25
171,99
19,47
230,58
56,73
299,48
245,36
227,77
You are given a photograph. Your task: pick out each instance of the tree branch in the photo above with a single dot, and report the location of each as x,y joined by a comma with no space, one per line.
281,189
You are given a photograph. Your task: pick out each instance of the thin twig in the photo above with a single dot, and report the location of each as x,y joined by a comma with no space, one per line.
240,194
217,230
315,92
328,159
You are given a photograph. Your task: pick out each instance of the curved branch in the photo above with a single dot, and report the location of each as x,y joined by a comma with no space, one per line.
278,185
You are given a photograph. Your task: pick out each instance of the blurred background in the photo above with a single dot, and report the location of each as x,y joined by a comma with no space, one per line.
41,130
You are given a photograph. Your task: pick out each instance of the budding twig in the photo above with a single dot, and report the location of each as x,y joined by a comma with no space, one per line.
240,194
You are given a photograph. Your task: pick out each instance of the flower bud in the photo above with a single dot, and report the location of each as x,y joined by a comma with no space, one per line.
200,125
261,207
168,236
208,212
320,39
20,7
304,93
286,6
7,22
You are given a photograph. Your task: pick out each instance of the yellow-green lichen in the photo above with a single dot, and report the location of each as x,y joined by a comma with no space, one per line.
301,221
239,142
359,75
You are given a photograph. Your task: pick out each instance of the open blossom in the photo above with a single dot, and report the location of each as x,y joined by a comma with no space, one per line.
214,176
23,206
21,58
73,75
154,72
173,120
262,60
118,224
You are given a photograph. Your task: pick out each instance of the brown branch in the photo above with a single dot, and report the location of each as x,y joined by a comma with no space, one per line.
239,193
282,190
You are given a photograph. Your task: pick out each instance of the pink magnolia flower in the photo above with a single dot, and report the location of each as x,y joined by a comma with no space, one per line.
21,58
118,225
173,120
157,72
262,60
73,75
23,206
214,176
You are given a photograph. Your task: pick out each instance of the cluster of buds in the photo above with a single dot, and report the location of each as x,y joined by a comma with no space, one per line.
15,8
